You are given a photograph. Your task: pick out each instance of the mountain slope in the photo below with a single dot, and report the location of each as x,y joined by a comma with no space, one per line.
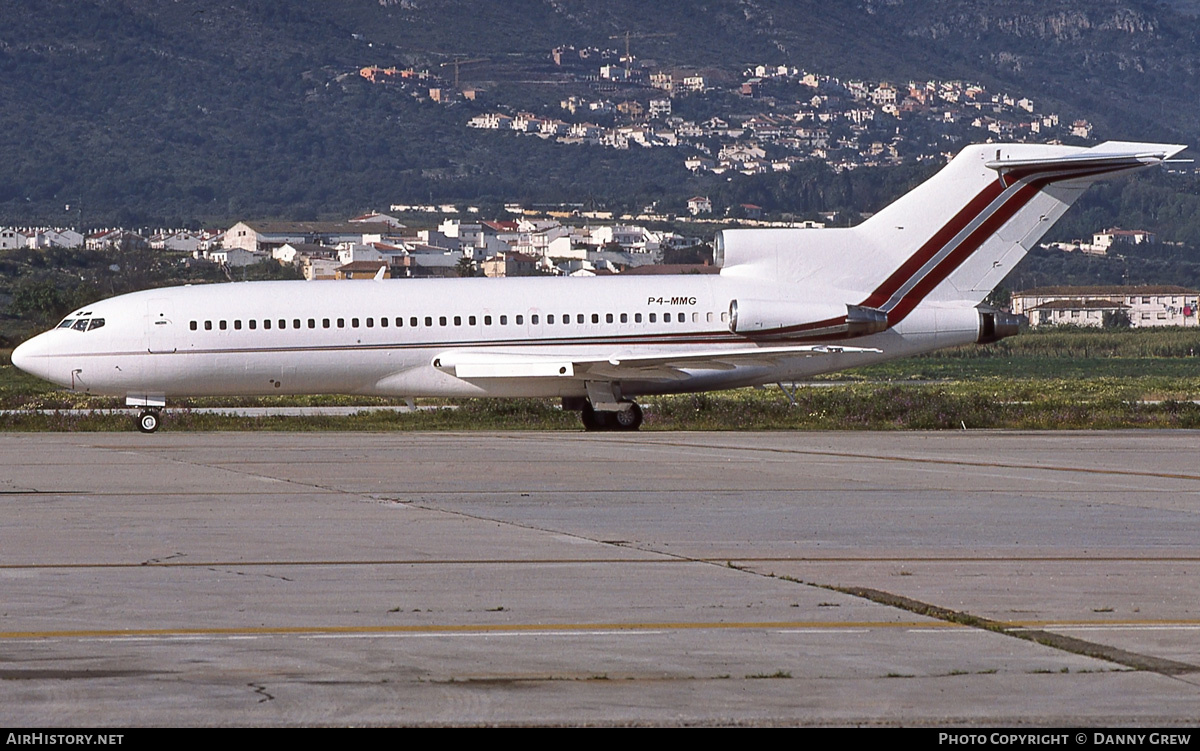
142,111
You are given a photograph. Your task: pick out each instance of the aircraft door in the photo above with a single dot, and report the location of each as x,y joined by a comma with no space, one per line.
160,325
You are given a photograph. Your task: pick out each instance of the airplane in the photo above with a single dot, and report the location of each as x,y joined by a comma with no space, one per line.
787,304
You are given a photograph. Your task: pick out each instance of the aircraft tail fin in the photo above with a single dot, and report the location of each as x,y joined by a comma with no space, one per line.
952,238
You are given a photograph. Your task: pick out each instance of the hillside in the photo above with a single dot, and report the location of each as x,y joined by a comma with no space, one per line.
146,112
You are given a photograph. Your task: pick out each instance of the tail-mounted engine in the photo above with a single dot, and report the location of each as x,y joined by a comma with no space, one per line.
781,318
995,325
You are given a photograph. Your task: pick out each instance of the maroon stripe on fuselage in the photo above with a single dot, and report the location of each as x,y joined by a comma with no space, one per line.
913,264
992,224
940,239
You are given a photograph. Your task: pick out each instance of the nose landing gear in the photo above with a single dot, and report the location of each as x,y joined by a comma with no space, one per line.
149,420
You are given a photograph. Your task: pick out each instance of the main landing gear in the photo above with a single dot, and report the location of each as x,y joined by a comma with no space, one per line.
629,417
149,420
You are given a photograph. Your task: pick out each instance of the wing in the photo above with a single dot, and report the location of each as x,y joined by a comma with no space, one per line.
470,365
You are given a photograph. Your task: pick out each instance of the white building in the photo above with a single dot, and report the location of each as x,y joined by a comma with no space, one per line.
12,238
55,238
236,257
1146,306
182,241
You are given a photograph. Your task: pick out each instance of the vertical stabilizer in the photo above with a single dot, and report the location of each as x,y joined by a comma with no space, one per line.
950,239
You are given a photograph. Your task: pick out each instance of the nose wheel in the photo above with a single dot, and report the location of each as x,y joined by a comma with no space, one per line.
149,420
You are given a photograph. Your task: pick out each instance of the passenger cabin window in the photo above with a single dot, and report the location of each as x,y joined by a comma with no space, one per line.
237,325
428,320
503,320
266,323
441,320
666,317
550,318
207,326
457,320
370,323
637,317
221,325
533,319
471,320
520,320
65,323
487,320
312,323
282,323
253,324
579,318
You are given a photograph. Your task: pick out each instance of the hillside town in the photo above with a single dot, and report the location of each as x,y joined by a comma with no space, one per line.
786,115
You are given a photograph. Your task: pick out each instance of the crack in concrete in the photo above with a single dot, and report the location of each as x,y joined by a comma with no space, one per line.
261,690
1070,644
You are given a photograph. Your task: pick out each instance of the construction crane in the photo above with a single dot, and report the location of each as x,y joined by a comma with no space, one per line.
459,61
627,35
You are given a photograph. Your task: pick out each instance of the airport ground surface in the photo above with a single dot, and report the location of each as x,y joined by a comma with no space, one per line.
556,578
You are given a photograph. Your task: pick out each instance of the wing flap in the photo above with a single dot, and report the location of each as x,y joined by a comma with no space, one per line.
470,365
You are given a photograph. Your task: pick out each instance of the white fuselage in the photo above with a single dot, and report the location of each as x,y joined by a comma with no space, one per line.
382,337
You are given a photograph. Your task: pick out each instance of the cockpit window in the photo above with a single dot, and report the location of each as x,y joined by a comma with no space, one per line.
82,324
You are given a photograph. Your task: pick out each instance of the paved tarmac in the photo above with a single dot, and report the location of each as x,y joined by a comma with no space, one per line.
953,578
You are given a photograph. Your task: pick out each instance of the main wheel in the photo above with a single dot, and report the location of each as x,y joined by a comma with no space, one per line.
629,418
593,420
148,421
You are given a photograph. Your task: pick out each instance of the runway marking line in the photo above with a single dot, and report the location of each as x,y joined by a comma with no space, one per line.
622,560
508,628
584,629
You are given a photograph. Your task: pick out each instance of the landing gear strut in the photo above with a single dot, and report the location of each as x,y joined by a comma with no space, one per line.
149,420
629,417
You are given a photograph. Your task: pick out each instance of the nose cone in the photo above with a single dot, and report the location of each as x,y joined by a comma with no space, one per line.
31,357
21,357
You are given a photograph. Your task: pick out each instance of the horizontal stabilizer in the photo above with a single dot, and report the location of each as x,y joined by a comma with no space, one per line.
1107,157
